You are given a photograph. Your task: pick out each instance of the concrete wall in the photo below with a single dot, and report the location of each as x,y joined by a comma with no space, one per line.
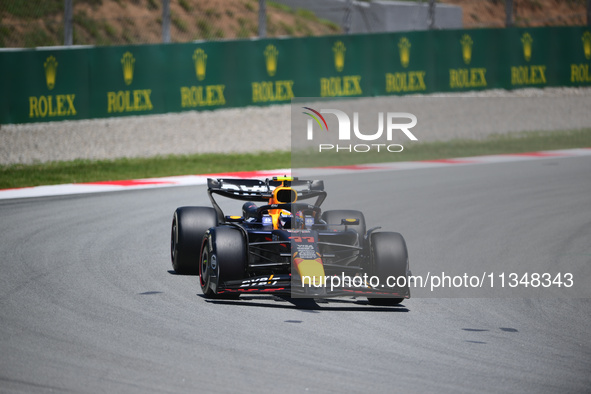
382,16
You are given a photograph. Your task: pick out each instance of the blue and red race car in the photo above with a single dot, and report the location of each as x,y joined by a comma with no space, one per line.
286,246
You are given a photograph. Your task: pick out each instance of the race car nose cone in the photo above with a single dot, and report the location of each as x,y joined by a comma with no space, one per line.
311,272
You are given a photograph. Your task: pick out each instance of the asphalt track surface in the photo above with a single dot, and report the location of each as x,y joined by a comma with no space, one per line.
89,302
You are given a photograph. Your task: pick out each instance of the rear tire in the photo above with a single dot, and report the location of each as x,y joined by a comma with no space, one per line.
189,225
389,257
334,217
223,258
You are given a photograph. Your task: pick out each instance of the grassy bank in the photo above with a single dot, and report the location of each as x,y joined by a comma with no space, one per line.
78,171
494,144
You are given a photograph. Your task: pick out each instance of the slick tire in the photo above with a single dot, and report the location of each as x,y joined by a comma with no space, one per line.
334,218
189,225
223,258
389,257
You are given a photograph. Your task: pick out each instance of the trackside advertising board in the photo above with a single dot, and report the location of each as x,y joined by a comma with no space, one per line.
47,84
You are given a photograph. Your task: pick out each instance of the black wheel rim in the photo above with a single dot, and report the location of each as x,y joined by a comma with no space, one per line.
173,241
204,268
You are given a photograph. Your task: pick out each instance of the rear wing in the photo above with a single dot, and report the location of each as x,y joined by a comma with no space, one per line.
261,191
241,189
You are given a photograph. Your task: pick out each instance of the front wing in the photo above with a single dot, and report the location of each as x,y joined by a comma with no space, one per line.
283,285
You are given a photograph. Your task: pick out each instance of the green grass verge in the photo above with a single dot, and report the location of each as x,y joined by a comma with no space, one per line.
78,171
494,144
13,176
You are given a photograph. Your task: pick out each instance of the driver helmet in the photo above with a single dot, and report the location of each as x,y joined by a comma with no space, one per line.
249,211
298,220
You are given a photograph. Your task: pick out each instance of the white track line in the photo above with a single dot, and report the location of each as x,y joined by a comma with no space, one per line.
193,180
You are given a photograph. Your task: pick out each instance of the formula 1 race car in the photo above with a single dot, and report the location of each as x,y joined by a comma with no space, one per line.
286,247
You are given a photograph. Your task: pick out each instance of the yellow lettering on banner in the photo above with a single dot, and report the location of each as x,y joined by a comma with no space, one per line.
52,106
33,110
349,85
71,109
128,101
467,78
412,81
579,73
60,103
272,91
111,97
528,75
199,96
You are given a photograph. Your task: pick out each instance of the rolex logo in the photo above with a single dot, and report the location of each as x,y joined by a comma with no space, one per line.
587,44
50,66
526,40
339,55
404,49
127,61
466,42
271,59
199,59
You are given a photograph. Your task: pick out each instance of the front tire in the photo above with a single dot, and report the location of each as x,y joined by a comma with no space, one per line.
189,225
389,257
223,258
